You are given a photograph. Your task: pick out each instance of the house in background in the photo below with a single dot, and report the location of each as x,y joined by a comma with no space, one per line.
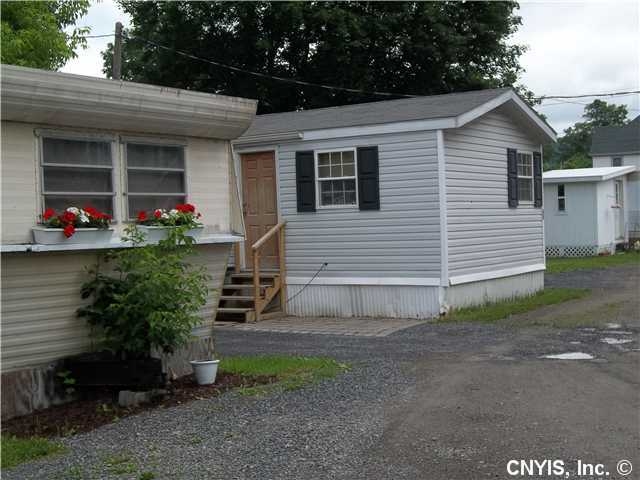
586,212
122,147
617,147
414,205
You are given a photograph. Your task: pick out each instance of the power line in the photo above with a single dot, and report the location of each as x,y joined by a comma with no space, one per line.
585,95
264,75
331,87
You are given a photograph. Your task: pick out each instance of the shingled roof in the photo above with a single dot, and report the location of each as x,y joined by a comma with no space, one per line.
406,109
616,140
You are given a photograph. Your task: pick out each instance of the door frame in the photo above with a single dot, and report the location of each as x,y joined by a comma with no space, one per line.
237,165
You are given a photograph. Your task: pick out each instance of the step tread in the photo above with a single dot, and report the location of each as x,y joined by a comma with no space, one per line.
250,275
234,310
236,297
240,286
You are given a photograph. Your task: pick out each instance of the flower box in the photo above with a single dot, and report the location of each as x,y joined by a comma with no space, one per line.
52,236
155,233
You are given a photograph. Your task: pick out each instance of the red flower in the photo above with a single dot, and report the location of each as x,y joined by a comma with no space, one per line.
69,230
157,213
185,208
93,212
142,216
68,217
105,216
48,213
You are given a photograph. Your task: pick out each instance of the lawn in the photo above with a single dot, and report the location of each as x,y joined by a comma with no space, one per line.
558,265
15,451
492,312
291,372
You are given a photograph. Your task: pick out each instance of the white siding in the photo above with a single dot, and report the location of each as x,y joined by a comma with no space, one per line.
577,225
41,294
402,239
484,234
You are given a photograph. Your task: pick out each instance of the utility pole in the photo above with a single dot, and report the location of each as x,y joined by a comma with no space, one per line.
117,52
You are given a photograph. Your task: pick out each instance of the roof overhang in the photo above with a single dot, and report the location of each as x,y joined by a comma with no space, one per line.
522,113
584,175
61,99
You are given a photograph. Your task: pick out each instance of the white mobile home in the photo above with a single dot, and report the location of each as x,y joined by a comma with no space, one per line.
414,205
620,147
70,140
586,210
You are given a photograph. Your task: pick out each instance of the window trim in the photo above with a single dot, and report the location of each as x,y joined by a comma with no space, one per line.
124,141
319,205
561,197
532,177
613,161
618,193
42,134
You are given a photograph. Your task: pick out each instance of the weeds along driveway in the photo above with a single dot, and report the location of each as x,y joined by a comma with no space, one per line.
449,401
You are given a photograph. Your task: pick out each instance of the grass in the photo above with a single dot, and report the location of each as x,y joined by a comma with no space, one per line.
291,372
15,451
558,265
491,312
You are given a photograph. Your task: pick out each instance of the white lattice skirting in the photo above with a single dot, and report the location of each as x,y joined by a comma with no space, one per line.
572,251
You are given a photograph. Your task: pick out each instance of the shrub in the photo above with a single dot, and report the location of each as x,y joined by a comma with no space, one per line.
151,297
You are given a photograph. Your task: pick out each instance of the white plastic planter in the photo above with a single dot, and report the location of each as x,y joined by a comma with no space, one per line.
205,371
87,236
155,233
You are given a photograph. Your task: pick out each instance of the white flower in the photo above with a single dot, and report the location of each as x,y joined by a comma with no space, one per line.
173,212
73,210
165,215
83,217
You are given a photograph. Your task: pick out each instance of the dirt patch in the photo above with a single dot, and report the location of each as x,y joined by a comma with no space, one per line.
100,407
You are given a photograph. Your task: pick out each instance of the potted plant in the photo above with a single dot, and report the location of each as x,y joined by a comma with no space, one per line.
157,225
206,370
74,225
148,300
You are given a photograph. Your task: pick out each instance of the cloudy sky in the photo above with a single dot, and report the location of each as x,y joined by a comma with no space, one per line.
574,48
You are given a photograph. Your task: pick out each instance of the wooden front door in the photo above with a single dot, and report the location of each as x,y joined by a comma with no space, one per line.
259,204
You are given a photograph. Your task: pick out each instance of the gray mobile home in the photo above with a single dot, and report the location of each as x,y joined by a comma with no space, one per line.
400,208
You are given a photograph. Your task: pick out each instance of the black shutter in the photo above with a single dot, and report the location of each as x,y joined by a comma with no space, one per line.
512,177
305,181
368,178
537,179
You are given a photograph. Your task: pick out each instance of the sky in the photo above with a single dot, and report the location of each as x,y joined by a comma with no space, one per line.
573,48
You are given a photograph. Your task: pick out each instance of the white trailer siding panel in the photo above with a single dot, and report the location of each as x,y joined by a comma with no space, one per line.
484,234
41,295
402,239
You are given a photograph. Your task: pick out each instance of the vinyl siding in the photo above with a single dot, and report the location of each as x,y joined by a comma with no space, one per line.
207,167
402,239
484,234
40,296
577,225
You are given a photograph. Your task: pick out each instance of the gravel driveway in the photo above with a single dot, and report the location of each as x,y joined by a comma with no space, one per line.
450,401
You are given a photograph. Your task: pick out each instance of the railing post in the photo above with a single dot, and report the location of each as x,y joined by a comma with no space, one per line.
283,271
236,257
256,284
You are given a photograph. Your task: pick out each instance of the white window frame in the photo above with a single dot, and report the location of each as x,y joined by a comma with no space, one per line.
156,142
79,136
618,193
530,154
319,205
617,157
562,197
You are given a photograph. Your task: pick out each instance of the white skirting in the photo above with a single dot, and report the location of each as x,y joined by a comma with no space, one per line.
391,301
478,293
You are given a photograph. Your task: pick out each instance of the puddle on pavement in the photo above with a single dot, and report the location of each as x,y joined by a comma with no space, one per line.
615,341
570,356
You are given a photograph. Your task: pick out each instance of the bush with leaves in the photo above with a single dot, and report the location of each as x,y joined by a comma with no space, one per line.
150,297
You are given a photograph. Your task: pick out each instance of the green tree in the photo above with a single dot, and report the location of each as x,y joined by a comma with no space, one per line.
572,149
404,47
33,32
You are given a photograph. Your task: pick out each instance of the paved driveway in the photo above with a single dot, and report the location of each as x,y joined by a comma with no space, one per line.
442,402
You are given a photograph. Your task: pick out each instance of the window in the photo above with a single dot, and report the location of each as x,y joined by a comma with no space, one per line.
77,172
616,162
336,178
155,177
618,192
561,198
525,177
